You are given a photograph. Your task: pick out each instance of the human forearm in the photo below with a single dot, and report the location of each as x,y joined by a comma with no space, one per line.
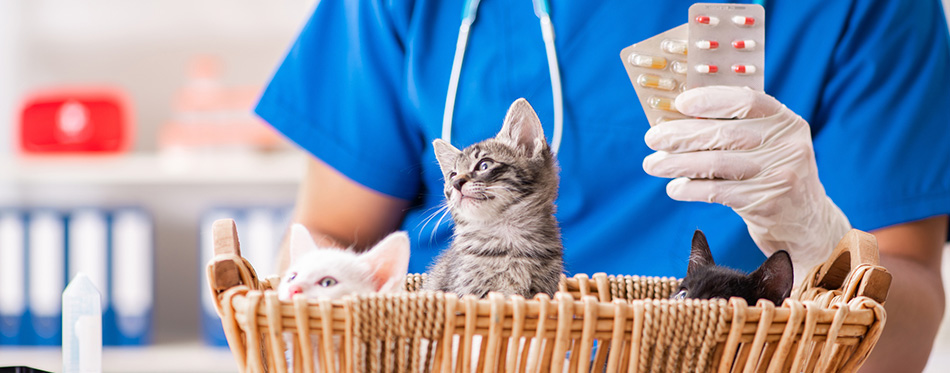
915,303
339,212
914,306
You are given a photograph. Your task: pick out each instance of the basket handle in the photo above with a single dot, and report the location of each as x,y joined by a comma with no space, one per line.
228,268
856,250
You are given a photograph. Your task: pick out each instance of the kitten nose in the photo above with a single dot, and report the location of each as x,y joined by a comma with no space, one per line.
459,181
295,289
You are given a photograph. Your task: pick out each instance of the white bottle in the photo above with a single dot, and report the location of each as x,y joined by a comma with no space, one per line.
82,326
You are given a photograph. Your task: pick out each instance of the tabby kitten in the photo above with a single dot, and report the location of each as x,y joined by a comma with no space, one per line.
501,194
705,280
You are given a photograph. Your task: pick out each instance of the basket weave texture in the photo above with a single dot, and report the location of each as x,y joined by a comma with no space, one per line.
593,324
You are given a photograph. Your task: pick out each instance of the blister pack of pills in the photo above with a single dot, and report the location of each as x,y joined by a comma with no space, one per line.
727,45
722,44
657,67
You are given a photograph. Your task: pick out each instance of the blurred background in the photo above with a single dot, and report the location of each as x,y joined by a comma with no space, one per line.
139,134
140,131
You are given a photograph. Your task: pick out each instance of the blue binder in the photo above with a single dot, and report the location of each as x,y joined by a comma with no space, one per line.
46,276
12,277
132,278
87,243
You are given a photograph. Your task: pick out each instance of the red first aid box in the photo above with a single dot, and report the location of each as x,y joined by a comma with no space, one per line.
76,120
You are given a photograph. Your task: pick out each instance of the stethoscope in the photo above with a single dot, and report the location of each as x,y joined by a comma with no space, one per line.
542,9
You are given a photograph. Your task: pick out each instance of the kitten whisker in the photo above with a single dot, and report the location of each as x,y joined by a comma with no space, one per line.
500,183
441,209
445,211
435,210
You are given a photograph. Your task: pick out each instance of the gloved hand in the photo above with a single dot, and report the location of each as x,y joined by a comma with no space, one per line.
760,164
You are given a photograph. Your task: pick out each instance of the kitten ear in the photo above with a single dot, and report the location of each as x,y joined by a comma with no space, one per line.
389,260
775,277
700,255
522,128
300,242
446,154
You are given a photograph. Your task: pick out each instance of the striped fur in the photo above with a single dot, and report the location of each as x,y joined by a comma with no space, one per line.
501,194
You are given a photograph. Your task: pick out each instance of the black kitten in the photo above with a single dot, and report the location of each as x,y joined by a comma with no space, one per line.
705,280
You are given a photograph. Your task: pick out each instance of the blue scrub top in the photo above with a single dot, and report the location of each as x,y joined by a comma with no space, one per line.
363,89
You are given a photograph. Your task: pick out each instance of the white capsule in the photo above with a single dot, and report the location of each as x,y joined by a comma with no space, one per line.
743,21
707,69
744,45
743,69
673,46
642,60
707,20
679,67
707,44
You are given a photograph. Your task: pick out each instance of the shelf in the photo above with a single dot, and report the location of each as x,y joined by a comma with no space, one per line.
151,169
171,358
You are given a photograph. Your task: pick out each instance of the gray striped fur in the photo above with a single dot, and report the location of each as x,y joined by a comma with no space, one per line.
506,237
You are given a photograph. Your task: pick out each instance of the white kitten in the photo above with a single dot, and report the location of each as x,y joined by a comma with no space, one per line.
332,273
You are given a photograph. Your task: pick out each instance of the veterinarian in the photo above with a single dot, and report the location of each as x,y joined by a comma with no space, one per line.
850,132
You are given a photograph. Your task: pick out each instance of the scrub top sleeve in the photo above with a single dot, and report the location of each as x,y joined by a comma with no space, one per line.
340,95
882,147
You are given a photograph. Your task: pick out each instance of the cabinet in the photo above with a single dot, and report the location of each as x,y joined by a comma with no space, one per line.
175,190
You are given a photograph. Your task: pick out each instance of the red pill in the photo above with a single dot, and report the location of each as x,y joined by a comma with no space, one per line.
743,21
707,44
744,44
707,20
743,69
707,69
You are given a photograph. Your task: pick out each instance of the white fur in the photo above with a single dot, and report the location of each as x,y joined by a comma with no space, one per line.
382,268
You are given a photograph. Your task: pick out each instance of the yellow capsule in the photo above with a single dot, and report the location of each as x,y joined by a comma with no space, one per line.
661,103
647,61
653,81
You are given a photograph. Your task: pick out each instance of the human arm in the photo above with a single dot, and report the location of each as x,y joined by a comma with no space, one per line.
764,170
911,252
338,95
340,212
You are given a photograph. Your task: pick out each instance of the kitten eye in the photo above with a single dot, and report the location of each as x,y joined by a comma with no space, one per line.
681,295
483,165
292,276
452,174
327,282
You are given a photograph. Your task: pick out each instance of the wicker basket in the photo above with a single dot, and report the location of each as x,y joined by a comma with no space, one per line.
604,323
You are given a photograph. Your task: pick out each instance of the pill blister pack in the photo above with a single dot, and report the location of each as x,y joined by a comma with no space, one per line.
657,67
725,44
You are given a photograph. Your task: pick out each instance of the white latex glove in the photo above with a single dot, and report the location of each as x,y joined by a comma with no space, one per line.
760,164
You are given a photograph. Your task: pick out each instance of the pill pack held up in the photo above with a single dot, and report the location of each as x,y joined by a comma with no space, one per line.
725,44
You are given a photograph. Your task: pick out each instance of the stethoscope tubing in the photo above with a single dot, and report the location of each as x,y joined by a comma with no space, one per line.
542,10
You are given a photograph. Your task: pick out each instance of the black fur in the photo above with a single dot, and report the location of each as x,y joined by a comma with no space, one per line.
773,280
